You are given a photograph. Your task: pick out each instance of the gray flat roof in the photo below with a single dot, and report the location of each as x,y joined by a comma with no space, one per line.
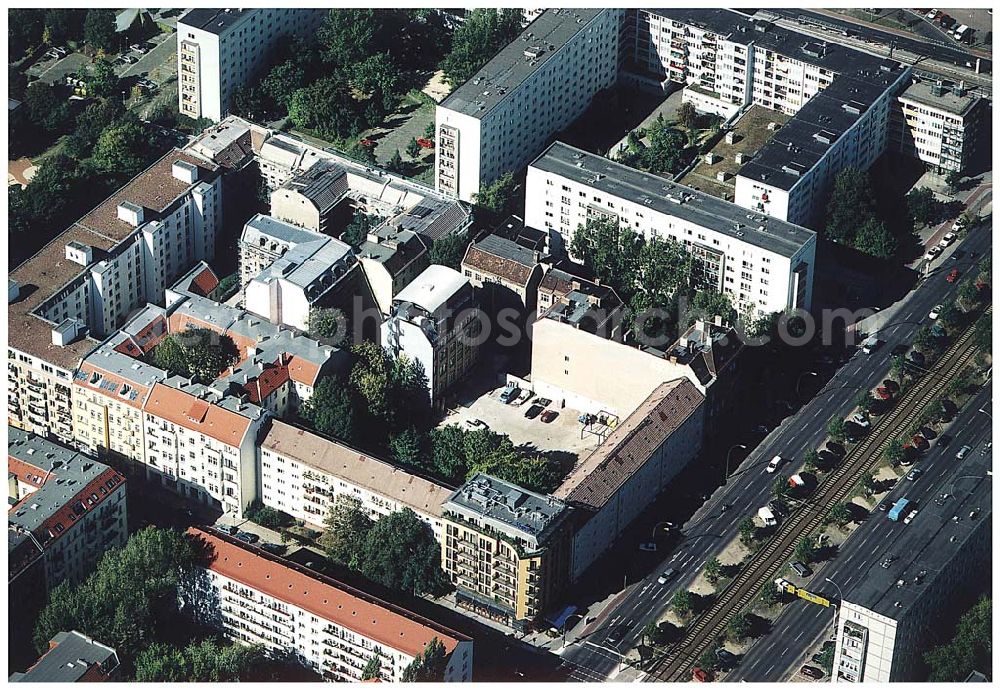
511,67
512,508
925,92
213,20
929,543
72,656
658,193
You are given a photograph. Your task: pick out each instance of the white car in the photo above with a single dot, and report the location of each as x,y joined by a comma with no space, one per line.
774,464
909,519
958,225
860,420
523,397
946,240
935,311
932,253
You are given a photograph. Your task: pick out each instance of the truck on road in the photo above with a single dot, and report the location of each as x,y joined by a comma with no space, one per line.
899,509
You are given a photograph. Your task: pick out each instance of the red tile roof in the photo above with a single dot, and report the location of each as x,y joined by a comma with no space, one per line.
341,604
204,283
270,380
192,413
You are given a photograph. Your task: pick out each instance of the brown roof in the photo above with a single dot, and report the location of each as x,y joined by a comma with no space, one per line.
204,283
336,602
506,268
193,413
599,476
154,189
350,464
39,278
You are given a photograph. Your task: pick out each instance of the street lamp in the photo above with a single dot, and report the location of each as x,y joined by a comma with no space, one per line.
728,454
983,411
836,611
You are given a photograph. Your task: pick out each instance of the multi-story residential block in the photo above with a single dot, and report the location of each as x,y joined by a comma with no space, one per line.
614,484
841,97
312,199
759,261
506,549
435,321
257,598
508,272
942,124
888,617
72,658
559,287
202,444
219,50
391,259
534,87
70,506
310,270
303,474
90,278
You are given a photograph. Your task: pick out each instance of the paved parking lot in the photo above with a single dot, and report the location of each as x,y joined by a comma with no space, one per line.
562,434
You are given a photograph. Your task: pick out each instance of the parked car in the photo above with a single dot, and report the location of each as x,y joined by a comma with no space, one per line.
861,420
522,397
666,576
953,275
476,422
533,410
914,474
963,452
884,505
801,569
549,415
726,658
932,253
544,402
250,538
811,672
774,464
920,443
946,240
509,393
935,311
229,529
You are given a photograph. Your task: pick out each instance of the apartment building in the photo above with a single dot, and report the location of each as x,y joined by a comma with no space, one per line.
306,269
403,204
219,50
69,506
556,286
756,259
508,272
888,617
202,444
303,474
110,389
435,321
506,550
840,97
621,477
533,88
86,282
942,124
391,259
72,658
257,598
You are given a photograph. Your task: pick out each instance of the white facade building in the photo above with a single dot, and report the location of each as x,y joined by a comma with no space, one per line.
219,50
257,598
203,445
941,124
434,321
302,474
759,261
534,87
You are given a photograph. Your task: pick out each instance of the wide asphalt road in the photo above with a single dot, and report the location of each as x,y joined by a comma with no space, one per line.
801,625
594,656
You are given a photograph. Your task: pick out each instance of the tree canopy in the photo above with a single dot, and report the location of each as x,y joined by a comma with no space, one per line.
196,353
205,660
99,28
498,197
429,665
120,602
851,205
479,38
449,250
970,648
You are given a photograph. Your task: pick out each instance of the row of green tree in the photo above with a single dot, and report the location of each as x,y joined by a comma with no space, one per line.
651,275
971,648
30,28
383,407
398,550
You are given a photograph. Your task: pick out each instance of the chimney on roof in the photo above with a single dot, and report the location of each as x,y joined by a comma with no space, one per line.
185,172
133,214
